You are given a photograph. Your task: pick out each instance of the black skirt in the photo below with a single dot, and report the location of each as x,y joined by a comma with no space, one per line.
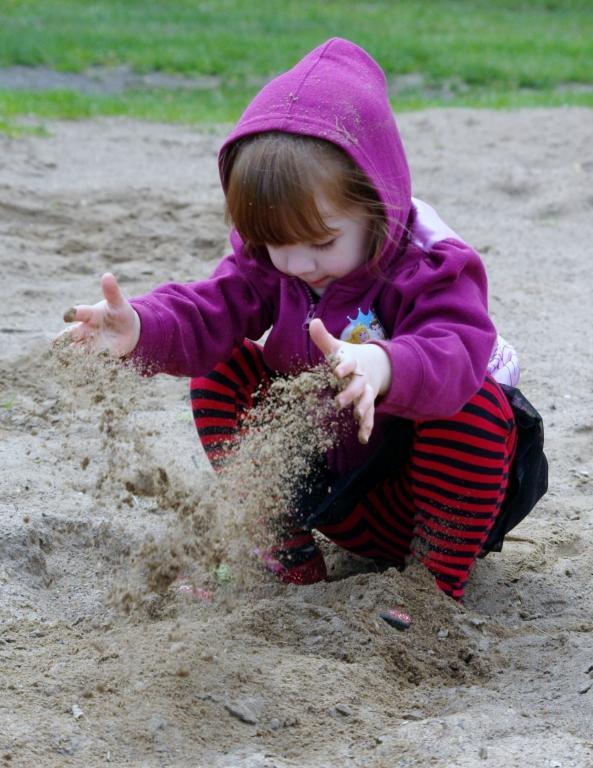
528,481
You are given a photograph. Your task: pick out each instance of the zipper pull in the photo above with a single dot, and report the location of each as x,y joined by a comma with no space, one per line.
310,316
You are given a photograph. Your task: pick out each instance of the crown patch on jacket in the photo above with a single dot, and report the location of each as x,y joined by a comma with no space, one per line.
364,327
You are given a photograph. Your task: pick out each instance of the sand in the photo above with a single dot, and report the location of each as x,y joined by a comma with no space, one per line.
275,675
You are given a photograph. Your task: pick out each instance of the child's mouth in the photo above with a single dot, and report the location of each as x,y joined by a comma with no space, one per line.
318,283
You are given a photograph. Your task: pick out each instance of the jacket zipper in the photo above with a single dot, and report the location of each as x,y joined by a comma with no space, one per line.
312,309
314,304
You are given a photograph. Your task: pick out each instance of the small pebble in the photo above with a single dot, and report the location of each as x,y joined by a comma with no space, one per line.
77,712
177,647
484,644
413,715
343,709
340,710
246,711
442,634
195,593
223,574
157,723
274,724
396,618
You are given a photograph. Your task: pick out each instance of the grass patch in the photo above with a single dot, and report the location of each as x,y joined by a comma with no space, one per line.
508,53
225,104
15,129
215,106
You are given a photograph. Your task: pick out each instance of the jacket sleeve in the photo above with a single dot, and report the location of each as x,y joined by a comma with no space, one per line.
442,338
186,329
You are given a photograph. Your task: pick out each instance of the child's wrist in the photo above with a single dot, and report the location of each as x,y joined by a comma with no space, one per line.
382,367
136,332
129,348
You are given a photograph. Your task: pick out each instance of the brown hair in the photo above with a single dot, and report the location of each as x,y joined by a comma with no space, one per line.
272,180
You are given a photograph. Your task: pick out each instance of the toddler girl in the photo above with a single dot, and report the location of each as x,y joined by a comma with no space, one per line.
331,252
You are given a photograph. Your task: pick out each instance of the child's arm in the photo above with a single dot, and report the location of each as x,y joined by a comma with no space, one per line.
187,328
365,369
111,325
182,329
441,337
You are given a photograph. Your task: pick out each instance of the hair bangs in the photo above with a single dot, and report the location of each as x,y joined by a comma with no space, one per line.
271,195
276,181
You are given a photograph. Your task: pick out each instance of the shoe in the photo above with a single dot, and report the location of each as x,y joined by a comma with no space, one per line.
311,571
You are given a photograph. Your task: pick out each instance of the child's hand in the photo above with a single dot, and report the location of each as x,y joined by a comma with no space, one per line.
365,369
111,325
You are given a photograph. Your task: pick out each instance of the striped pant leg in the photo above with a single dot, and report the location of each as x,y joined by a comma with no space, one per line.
459,473
220,401
442,505
381,525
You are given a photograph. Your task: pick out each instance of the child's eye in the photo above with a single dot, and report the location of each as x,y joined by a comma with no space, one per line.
324,246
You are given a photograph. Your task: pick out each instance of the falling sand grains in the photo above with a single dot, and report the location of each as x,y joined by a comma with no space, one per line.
219,521
284,437
265,470
100,390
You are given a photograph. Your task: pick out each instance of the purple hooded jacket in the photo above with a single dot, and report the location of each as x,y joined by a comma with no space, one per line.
430,299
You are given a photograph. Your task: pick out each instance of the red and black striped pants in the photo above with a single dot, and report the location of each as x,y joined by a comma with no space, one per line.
439,508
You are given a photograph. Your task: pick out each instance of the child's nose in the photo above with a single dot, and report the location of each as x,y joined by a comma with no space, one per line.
300,263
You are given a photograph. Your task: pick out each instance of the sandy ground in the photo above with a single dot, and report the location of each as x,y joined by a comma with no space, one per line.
279,676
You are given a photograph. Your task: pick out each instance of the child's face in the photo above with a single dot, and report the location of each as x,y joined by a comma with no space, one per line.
319,264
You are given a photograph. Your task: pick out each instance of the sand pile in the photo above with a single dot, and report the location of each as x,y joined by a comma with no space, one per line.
219,522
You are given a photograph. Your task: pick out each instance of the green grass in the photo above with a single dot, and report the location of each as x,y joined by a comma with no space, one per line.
15,128
224,105
503,52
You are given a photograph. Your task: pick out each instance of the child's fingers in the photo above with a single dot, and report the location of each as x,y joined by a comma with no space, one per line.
76,335
353,391
366,424
111,291
346,368
365,402
84,313
80,332
323,339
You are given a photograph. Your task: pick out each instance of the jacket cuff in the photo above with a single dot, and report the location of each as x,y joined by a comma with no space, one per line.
150,342
407,379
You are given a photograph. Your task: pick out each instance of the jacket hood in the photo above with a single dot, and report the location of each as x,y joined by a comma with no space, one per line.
337,92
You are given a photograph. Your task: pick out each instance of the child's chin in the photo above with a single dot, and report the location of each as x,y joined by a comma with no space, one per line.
320,287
